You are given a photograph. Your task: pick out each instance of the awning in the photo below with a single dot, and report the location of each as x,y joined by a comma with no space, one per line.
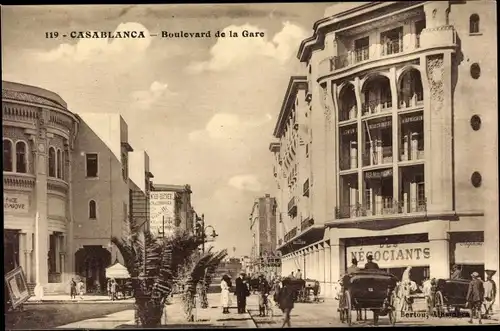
117,271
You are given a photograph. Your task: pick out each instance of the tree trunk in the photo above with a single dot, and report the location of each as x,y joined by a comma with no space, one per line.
149,312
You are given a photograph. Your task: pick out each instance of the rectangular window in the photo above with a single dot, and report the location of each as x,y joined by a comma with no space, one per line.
92,165
124,165
361,49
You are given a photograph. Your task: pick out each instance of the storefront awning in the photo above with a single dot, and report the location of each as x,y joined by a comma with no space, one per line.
305,238
117,271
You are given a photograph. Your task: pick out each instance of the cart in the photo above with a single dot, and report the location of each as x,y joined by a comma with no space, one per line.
450,294
370,289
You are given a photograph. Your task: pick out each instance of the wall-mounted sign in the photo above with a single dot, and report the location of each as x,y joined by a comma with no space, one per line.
18,203
391,256
161,211
380,125
418,118
469,253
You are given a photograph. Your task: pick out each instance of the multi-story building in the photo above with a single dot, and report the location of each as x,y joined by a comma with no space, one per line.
401,106
170,206
139,188
66,179
263,226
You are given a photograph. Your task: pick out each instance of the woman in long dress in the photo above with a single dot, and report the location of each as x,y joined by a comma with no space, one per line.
225,285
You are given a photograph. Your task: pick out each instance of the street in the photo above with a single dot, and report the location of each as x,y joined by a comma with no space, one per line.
325,315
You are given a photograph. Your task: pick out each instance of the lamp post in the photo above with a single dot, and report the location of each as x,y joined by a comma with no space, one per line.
202,231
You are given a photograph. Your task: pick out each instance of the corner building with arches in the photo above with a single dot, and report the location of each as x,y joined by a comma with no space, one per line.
67,189
397,121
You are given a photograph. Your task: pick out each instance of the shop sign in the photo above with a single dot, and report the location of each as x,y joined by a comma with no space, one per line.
378,174
418,118
349,131
18,203
380,125
161,211
469,252
393,255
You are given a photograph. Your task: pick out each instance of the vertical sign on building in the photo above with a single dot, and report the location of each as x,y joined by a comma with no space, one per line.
161,212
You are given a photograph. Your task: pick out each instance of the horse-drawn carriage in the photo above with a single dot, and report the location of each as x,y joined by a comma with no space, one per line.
368,289
450,293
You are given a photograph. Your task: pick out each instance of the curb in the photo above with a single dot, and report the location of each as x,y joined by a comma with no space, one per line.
255,325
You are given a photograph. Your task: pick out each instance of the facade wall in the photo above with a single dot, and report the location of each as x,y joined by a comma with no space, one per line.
183,211
441,218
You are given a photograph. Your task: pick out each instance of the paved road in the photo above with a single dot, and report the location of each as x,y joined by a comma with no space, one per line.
325,315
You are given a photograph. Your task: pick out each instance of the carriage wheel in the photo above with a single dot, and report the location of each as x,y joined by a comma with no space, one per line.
348,308
392,309
439,304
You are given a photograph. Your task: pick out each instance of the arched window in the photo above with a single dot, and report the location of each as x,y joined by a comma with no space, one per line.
59,164
52,162
21,161
474,23
7,155
92,210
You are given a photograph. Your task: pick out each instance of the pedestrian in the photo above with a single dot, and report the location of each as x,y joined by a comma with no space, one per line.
80,288
225,285
285,301
490,291
299,274
263,290
428,295
108,288
241,292
456,272
475,297
370,265
291,275
72,286
354,267
113,290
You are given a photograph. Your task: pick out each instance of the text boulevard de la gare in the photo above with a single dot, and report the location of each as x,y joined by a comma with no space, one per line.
145,34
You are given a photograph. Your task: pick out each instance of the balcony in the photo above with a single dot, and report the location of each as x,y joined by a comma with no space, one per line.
290,234
376,106
292,207
306,188
385,207
307,223
392,46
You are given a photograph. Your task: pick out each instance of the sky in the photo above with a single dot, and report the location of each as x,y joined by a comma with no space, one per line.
203,109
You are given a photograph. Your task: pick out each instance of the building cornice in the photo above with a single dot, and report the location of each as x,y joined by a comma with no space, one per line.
295,83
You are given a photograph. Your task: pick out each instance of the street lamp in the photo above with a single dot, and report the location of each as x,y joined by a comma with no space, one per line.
201,231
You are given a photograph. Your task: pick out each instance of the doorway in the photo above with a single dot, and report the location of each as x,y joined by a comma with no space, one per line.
11,249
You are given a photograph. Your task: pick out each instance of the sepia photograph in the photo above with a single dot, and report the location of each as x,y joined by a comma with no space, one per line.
250,165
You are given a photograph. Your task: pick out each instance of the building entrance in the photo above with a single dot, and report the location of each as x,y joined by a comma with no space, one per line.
90,264
11,249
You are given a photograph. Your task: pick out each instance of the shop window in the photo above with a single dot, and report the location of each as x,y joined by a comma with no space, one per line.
474,23
475,70
92,165
7,155
92,210
52,162
475,122
59,164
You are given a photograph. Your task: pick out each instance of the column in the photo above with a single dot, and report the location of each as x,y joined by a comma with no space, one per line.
327,288
439,250
337,258
41,222
321,264
357,90
22,248
395,134
57,252
413,196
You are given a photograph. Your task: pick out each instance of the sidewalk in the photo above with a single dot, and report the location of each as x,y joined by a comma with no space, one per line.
61,298
211,317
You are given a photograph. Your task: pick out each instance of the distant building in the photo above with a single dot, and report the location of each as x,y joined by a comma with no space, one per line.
263,227
170,207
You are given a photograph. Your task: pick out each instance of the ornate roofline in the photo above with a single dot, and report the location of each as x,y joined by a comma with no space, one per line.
295,83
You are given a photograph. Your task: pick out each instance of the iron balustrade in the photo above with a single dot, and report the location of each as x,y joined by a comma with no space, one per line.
362,54
392,46
292,207
387,207
348,113
307,223
416,99
290,234
376,105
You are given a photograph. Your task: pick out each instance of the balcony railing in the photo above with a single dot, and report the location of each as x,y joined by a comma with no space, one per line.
387,207
376,106
362,54
417,99
349,113
307,223
393,46
290,234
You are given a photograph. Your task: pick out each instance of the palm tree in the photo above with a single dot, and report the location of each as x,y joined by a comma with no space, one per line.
209,275
153,264
195,276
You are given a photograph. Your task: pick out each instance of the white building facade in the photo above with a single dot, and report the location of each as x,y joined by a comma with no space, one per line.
401,104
